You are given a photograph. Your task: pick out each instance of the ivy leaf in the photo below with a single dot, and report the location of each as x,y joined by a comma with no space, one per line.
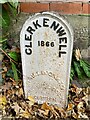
14,71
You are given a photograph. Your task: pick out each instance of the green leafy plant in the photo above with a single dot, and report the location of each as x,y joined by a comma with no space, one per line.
7,12
86,67
79,68
14,69
14,56
14,59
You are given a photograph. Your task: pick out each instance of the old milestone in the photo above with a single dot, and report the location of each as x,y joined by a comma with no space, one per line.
46,41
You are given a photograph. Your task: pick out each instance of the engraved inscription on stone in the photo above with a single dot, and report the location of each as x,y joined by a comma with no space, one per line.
46,41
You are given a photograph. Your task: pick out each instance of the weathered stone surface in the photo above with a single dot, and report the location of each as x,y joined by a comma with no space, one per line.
46,41
80,25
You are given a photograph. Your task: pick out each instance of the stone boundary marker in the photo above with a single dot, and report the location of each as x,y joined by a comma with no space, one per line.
46,41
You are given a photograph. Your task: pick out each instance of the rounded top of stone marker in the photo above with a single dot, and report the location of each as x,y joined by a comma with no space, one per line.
54,15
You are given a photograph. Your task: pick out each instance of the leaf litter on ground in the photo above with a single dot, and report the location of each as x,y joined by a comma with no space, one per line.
14,105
